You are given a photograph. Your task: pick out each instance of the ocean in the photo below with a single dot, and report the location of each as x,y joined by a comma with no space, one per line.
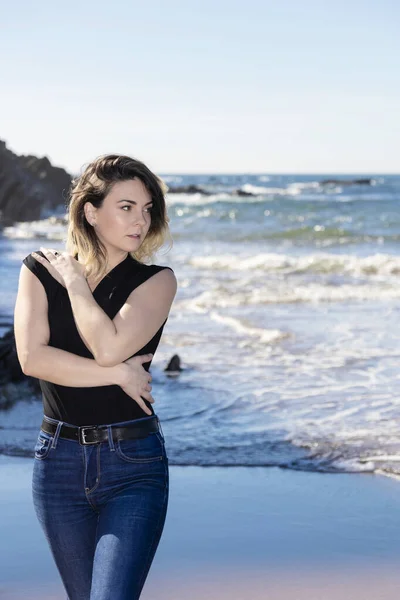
285,321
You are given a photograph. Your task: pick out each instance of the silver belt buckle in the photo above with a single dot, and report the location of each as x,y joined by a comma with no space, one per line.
82,433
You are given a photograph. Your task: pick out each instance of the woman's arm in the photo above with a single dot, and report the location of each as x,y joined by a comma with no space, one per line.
64,368
114,340
37,359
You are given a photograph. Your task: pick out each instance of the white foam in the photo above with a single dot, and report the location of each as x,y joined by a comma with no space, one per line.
294,189
199,199
277,292
173,179
267,336
256,189
48,228
323,262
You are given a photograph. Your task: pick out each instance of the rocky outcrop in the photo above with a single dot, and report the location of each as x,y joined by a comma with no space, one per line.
10,369
365,181
196,189
29,186
187,189
11,374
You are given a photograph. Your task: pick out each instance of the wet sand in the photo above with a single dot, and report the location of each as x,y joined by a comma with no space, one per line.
235,533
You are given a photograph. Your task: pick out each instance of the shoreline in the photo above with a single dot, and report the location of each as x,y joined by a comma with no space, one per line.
265,533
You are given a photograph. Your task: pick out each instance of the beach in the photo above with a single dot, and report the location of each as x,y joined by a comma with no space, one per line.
233,533
282,429
251,149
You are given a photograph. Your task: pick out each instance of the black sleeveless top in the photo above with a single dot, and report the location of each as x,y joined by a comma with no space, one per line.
91,405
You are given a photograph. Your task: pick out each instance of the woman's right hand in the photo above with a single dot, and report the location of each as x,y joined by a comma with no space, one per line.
135,380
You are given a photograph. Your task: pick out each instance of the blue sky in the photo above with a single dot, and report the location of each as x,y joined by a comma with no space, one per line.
194,87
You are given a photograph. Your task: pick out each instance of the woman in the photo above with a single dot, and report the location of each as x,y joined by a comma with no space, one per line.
87,324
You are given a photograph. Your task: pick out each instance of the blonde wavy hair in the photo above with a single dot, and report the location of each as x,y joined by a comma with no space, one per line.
93,185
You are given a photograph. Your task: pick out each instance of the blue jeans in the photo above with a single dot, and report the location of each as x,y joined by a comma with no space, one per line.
102,508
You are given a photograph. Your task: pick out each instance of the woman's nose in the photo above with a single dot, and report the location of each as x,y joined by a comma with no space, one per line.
139,218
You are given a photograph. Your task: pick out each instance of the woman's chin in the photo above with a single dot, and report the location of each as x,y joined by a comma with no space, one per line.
133,244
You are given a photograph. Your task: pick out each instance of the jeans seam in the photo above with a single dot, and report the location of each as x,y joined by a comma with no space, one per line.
44,456
156,533
160,429
137,461
160,438
134,460
84,478
96,485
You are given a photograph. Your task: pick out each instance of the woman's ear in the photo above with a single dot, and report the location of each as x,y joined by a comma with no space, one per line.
89,211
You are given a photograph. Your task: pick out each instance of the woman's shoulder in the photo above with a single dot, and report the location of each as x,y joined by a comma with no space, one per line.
161,267
40,270
141,272
138,273
152,268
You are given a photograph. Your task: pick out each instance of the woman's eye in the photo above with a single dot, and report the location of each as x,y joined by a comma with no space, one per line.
148,209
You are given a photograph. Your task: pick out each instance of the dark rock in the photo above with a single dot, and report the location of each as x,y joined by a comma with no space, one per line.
240,192
174,366
366,181
187,189
11,373
10,369
28,186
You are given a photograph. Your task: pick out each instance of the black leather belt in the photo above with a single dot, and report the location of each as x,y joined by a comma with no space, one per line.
94,434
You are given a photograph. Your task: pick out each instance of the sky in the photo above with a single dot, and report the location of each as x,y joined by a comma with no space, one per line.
284,86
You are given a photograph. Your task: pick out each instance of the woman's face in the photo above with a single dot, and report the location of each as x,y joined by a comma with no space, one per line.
126,211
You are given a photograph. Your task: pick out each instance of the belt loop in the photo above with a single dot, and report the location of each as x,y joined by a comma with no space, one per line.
110,438
57,433
161,431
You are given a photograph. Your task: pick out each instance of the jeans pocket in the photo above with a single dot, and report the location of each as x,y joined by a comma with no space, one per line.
140,450
160,436
43,445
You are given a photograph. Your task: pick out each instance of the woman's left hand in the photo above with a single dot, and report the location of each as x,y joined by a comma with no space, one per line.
62,266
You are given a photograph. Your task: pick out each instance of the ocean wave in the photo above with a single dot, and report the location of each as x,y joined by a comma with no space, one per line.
296,191
309,233
258,190
242,327
51,228
287,293
198,199
318,235
322,263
